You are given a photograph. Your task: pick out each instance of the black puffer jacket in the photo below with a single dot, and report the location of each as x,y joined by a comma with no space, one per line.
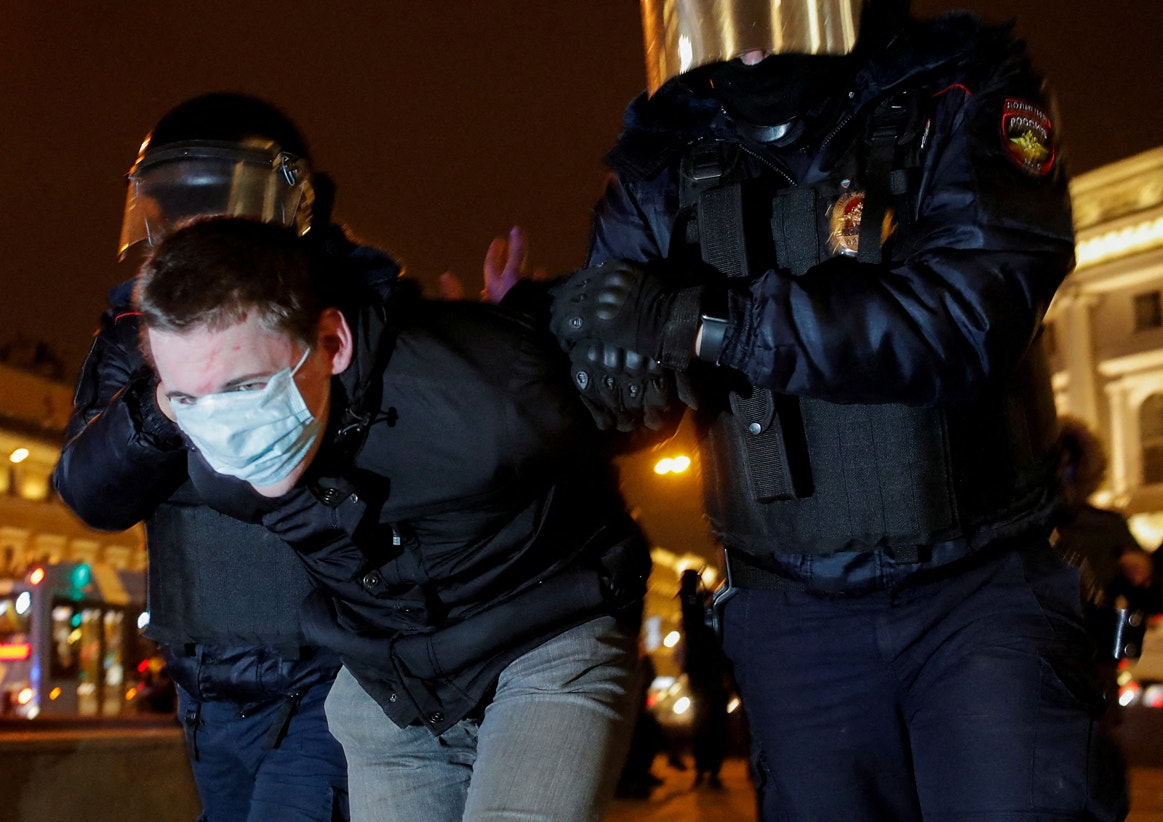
916,357
476,520
225,596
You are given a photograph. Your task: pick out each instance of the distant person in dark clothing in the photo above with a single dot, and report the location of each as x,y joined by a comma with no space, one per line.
706,671
637,779
1096,539
1100,543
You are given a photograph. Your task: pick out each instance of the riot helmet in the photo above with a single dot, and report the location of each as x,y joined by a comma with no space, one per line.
681,35
219,154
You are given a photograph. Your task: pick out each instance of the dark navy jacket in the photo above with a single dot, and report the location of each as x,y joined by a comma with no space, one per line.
980,246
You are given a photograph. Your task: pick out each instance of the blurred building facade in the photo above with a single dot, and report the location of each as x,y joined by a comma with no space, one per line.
1105,332
35,526
72,600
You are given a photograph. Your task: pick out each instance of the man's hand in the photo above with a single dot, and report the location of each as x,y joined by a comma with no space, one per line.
505,265
1137,567
451,288
624,306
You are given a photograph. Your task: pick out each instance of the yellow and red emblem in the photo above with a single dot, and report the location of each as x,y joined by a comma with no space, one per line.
1027,135
845,216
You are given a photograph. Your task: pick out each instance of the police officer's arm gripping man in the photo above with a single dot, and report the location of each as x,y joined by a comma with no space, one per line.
114,404
967,273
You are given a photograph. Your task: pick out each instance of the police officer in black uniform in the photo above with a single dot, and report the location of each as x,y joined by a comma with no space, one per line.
224,595
843,227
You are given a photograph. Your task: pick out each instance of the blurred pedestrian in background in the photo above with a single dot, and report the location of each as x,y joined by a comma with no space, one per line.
1097,539
707,675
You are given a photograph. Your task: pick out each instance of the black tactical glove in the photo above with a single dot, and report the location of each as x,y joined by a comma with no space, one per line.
140,398
621,304
621,389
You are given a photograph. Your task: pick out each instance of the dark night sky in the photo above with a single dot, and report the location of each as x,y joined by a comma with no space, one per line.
443,121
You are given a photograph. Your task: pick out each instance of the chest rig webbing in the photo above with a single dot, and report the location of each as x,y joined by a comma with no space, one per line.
803,476
718,198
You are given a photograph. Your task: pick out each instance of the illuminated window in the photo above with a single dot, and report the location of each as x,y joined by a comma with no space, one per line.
32,484
1148,311
1151,426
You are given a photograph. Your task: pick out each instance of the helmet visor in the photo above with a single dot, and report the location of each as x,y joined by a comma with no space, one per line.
684,34
177,183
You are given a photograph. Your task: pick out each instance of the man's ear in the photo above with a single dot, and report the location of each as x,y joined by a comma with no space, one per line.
335,339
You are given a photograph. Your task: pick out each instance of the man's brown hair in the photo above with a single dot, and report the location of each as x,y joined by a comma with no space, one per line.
215,272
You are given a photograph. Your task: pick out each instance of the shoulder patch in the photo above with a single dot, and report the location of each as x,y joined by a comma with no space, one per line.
1027,136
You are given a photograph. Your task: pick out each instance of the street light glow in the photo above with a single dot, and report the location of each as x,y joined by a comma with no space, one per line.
672,465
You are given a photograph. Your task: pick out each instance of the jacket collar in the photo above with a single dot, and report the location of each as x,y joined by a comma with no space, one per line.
658,128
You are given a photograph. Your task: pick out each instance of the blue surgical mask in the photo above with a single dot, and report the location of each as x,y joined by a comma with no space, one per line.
256,436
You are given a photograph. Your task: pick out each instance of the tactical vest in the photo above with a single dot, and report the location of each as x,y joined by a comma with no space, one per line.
217,580
796,475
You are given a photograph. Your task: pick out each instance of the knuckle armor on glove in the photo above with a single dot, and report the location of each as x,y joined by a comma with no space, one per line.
623,305
620,388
